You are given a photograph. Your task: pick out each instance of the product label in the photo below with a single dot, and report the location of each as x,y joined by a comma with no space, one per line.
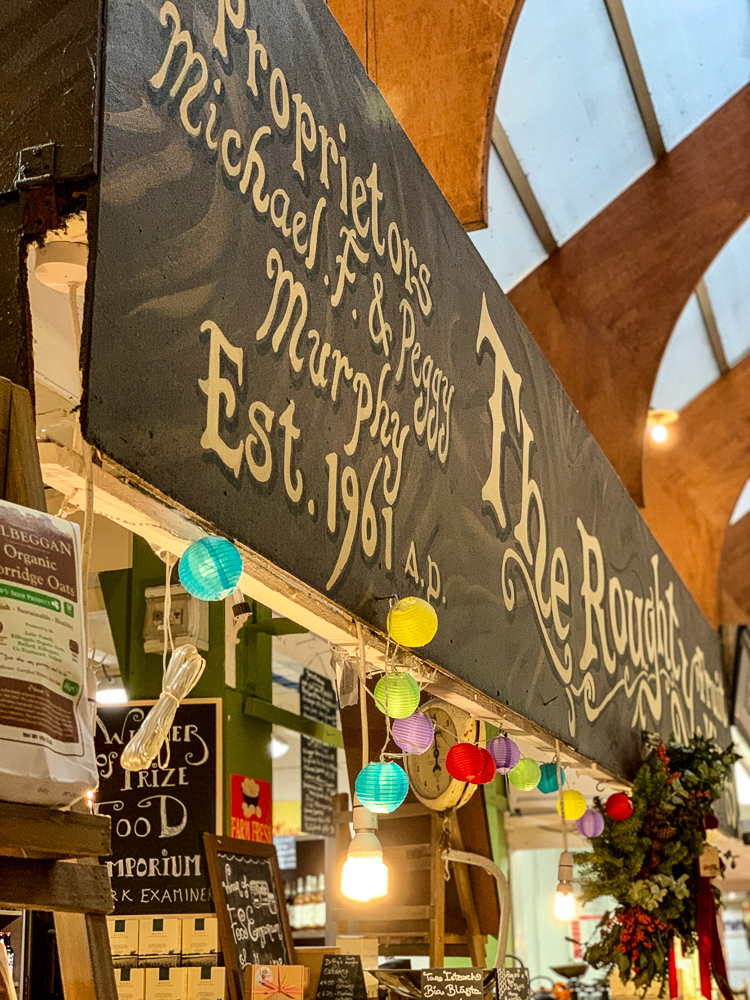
42,649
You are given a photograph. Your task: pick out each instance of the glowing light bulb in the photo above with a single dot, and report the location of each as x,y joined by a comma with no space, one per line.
659,433
565,905
364,878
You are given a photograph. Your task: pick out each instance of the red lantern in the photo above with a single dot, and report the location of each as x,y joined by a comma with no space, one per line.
618,806
489,769
711,822
464,761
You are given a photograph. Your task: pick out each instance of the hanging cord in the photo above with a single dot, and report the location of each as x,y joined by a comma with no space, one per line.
88,529
183,673
560,796
363,697
169,561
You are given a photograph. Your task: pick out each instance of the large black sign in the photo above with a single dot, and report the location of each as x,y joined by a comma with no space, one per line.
291,336
157,863
319,772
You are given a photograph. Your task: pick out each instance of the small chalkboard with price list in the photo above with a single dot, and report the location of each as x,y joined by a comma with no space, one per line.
452,984
249,897
513,984
341,978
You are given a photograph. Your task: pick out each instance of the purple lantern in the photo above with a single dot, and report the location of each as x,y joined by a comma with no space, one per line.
591,824
505,753
414,734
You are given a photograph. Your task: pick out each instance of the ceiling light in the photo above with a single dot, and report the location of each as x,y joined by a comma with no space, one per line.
116,695
277,747
658,422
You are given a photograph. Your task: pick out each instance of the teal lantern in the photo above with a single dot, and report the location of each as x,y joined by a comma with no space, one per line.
525,775
397,695
210,569
381,787
548,780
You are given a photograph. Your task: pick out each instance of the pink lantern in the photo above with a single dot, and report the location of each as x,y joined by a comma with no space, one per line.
505,753
414,734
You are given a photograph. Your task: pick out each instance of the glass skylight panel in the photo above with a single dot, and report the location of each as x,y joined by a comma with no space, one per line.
695,54
509,245
567,106
728,284
742,507
688,365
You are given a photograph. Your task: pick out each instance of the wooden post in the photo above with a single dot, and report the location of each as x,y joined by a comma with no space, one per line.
437,895
476,940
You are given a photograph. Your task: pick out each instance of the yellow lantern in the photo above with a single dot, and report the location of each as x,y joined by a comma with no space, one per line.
412,622
575,805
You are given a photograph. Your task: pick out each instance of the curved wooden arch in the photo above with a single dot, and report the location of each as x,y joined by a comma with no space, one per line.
438,66
613,293
692,486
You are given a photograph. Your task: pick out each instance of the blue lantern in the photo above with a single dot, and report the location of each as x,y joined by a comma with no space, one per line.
548,780
382,787
210,569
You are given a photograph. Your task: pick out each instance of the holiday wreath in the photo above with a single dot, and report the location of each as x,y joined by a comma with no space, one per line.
649,861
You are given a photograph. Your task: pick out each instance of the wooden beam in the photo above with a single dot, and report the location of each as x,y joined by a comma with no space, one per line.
523,189
20,474
258,708
438,65
613,293
712,328
59,886
692,487
632,61
38,832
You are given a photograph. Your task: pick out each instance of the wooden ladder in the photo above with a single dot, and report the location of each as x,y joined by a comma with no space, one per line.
49,861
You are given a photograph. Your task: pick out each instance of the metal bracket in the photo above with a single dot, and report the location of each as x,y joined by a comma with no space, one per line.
35,182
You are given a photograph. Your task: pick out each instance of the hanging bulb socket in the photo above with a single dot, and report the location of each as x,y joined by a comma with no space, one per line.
565,906
241,609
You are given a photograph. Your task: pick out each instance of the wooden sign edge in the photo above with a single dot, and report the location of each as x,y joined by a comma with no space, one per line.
213,843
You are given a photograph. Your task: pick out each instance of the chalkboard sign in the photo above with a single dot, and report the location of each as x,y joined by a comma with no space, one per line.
441,984
317,700
159,815
253,922
341,978
513,984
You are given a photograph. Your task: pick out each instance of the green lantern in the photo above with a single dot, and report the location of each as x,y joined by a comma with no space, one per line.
525,775
397,695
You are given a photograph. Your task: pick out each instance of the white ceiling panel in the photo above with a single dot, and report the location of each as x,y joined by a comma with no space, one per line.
567,106
695,55
688,365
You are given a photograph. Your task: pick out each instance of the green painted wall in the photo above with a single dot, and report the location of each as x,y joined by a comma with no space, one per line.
245,740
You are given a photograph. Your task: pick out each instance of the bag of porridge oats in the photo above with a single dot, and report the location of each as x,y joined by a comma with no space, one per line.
46,724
